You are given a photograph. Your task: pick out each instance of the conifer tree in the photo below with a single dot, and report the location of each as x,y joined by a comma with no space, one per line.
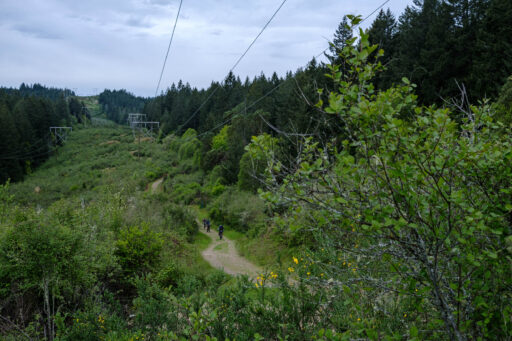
9,143
342,34
383,33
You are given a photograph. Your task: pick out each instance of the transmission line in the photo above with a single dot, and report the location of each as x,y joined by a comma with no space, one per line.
268,93
369,15
31,149
168,48
234,65
23,157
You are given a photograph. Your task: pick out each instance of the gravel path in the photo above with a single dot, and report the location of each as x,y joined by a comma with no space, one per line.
156,184
222,254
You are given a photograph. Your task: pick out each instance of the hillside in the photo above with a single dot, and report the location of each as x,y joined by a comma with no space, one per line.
103,217
385,220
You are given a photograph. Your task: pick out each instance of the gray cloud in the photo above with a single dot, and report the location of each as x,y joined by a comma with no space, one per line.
37,32
121,44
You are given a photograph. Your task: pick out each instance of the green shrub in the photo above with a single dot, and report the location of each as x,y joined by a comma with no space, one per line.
239,210
180,219
153,307
138,250
186,193
169,275
98,319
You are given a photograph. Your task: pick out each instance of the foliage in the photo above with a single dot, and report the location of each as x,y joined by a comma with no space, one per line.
391,220
100,319
423,197
179,218
239,210
254,162
152,308
138,250
118,103
504,102
43,263
219,141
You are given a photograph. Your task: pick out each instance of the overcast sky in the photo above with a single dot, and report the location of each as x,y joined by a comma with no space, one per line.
91,45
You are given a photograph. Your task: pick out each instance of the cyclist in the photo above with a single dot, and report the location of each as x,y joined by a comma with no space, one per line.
221,231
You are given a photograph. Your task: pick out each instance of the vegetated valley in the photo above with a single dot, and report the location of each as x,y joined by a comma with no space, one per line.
366,208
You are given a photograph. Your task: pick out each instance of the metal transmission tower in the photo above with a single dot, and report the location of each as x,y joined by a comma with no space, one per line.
135,118
139,124
147,128
60,133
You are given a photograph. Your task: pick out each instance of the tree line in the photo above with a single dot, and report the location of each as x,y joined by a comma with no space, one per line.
117,104
27,114
443,46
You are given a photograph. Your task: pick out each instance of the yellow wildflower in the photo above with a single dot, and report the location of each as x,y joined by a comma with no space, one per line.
295,260
291,269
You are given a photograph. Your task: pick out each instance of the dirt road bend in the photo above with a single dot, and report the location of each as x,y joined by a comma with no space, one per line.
222,254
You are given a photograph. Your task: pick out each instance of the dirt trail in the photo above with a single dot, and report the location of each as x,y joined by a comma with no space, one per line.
222,254
156,184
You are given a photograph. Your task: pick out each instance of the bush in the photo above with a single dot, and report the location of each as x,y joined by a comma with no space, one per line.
239,210
186,193
138,250
153,307
96,321
169,275
181,219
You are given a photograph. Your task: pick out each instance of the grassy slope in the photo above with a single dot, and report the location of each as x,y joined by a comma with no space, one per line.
99,160
91,160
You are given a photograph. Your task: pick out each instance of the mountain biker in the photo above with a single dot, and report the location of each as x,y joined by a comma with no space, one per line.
221,231
204,223
208,225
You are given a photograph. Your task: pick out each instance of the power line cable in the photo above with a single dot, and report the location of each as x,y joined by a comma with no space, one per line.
369,15
271,90
32,149
168,48
236,63
259,34
29,156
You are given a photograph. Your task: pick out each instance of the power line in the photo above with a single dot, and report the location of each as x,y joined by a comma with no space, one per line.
32,149
259,34
369,15
29,156
268,93
168,48
236,63
283,82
